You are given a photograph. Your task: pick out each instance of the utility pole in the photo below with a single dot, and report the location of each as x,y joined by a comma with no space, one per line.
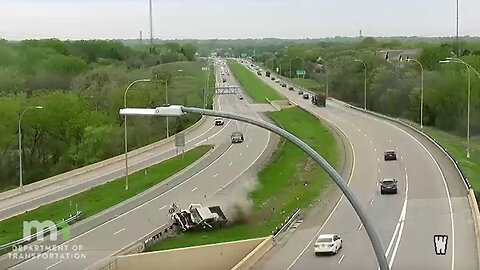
140,37
151,27
457,23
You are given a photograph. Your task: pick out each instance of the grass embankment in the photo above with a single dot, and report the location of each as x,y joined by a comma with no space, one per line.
256,89
290,180
100,197
457,146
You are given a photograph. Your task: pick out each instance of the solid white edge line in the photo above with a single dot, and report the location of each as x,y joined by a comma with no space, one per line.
54,264
119,231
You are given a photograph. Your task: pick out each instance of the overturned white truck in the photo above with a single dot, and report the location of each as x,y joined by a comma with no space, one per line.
198,217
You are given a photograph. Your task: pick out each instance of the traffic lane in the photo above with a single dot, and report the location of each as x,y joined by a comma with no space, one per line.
373,190
464,204
76,184
373,178
104,249
419,166
437,189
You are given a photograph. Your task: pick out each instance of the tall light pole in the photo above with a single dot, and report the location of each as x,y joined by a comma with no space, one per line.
365,84
421,90
469,67
176,110
289,66
166,96
20,141
151,27
125,125
207,79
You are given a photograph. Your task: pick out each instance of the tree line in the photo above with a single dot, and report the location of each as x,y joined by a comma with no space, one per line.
80,85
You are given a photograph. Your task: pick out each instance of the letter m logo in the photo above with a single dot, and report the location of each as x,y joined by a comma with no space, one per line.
40,226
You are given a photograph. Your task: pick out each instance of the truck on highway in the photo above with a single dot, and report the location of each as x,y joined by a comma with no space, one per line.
319,100
267,73
198,217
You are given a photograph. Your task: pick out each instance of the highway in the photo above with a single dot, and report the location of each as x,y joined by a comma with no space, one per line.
32,199
432,199
227,174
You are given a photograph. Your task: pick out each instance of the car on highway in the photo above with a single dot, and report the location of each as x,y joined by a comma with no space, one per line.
390,155
277,81
273,79
259,73
300,92
219,121
237,137
224,80
291,88
328,243
388,185
283,84
240,97
305,96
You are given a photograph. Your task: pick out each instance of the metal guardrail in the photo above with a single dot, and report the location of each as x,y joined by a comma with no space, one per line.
44,232
286,223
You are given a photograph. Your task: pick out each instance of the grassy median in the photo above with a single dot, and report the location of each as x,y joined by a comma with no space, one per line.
100,197
258,90
457,146
290,180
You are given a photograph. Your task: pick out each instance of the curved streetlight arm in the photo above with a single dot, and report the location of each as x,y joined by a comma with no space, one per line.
128,87
20,143
365,84
421,89
177,110
460,61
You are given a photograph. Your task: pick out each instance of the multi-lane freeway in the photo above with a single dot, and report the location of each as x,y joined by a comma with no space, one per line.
432,200
224,174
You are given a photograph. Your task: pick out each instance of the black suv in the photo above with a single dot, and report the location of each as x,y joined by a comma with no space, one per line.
390,155
388,185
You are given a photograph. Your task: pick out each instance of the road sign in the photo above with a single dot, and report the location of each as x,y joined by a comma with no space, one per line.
301,72
180,140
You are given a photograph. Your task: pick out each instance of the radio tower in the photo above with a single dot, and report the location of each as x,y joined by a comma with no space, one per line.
151,27
360,33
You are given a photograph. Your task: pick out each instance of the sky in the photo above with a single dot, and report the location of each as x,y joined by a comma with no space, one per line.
205,19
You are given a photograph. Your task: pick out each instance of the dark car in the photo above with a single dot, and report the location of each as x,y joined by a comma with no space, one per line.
283,85
291,88
388,185
237,137
273,78
300,92
390,155
305,96
259,73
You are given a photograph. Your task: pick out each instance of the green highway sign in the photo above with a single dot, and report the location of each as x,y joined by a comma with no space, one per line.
300,72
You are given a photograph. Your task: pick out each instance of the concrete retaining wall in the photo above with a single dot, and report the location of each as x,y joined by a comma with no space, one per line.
255,255
88,168
476,218
209,257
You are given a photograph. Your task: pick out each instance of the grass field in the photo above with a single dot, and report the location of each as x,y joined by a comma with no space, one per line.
457,146
256,89
290,180
101,197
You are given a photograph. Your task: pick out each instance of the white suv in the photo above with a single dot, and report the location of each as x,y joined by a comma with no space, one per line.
328,243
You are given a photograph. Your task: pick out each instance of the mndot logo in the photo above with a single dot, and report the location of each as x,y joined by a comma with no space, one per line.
46,226
440,242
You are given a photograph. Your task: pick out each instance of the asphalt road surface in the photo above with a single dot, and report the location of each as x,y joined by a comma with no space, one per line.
215,183
431,200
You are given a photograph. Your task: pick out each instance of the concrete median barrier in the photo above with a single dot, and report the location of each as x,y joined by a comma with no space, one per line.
209,257
248,261
68,175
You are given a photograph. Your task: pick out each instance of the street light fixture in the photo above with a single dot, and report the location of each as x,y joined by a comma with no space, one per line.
125,125
365,84
469,67
177,110
20,141
421,90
